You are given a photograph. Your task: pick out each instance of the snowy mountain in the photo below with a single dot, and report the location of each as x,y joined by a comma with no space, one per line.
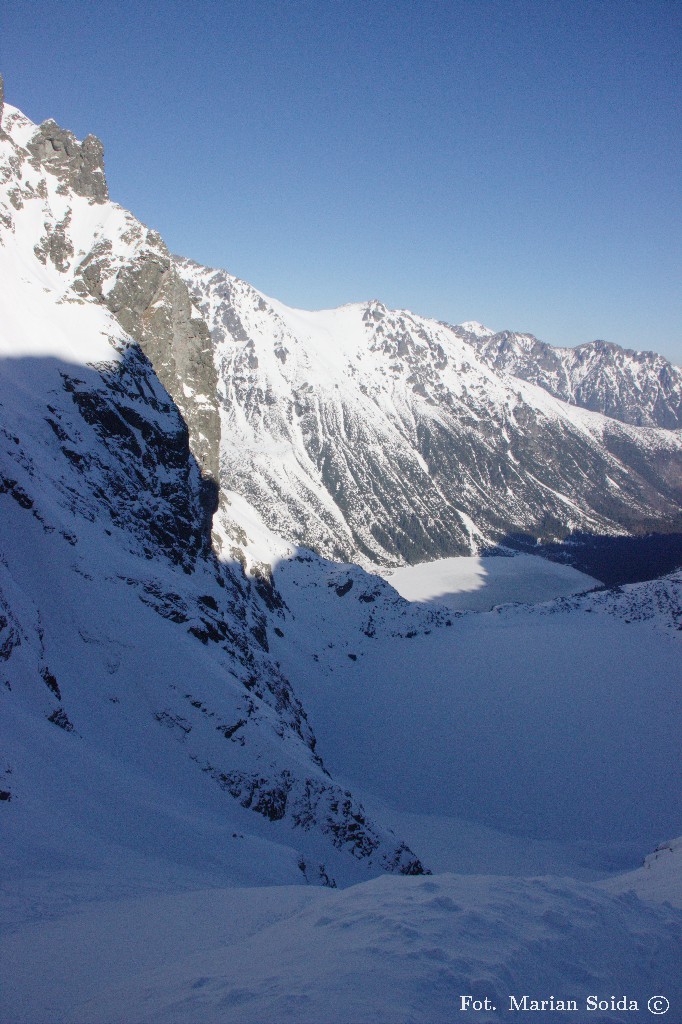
377,436
214,739
641,388
130,654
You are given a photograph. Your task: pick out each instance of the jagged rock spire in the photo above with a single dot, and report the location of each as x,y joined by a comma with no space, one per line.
79,164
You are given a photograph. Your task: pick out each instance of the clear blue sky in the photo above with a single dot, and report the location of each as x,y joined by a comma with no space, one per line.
512,162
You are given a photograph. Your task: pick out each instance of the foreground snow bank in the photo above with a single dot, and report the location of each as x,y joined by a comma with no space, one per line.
392,949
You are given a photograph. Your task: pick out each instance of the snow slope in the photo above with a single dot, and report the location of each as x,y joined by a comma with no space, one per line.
554,722
136,680
658,880
390,950
184,710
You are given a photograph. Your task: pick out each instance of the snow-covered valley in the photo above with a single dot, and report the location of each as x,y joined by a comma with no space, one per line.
243,781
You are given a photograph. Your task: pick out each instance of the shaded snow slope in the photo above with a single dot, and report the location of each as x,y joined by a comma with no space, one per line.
656,602
131,659
554,724
135,680
388,950
558,722
381,437
658,880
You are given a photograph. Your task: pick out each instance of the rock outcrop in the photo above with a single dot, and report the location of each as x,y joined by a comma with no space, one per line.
152,304
80,165
127,268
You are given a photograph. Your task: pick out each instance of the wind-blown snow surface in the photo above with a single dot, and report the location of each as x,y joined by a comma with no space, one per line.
390,950
478,584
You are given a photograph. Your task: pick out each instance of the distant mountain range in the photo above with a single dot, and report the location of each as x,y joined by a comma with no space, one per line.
641,388
378,436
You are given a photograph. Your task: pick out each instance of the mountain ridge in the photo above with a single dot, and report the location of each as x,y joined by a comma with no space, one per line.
109,469
222,752
393,440
637,387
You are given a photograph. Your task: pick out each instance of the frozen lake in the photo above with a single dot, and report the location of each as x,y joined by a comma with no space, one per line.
478,584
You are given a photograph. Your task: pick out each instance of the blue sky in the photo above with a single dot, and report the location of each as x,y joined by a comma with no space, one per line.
514,162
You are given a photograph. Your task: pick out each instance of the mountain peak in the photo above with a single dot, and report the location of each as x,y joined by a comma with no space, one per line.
79,164
640,388
473,327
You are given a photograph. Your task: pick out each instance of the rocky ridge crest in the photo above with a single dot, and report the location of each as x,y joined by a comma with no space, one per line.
640,388
126,267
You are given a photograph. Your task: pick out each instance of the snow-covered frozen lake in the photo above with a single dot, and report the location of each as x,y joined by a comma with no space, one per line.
477,583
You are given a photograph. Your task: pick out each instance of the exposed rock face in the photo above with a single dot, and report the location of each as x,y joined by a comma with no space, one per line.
152,304
79,164
55,245
143,457
641,388
127,268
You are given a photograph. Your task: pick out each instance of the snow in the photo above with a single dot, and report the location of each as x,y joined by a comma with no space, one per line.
524,723
658,880
35,322
473,327
388,950
341,421
637,387
17,124
479,583
529,741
